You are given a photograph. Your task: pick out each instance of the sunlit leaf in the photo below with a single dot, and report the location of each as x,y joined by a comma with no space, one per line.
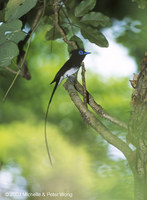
17,8
94,36
84,7
96,19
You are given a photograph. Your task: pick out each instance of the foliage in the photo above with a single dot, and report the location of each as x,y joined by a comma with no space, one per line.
141,3
11,29
84,7
11,34
12,24
8,51
17,8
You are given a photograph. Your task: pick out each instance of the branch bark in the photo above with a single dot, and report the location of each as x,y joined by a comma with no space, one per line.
24,68
84,84
11,70
97,125
98,109
138,132
59,28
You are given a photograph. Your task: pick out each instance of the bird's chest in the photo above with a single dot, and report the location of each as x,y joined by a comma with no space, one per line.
70,72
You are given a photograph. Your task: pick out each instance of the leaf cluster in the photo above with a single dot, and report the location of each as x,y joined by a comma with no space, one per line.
11,32
75,18
16,15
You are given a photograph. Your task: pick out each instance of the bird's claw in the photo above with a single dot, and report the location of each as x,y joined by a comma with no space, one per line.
70,79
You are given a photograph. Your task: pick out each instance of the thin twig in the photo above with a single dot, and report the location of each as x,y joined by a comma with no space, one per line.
84,84
11,70
52,38
24,69
4,98
67,20
36,21
56,8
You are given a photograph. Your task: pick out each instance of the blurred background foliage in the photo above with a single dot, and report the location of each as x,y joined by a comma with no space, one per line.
83,164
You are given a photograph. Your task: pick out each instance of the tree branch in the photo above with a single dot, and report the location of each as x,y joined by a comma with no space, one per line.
138,132
96,124
98,109
59,28
84,84
24,68
11,70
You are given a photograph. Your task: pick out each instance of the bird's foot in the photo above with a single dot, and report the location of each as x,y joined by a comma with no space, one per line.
70,78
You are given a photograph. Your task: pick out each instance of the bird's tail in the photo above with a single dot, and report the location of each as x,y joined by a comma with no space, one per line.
56,85
47,148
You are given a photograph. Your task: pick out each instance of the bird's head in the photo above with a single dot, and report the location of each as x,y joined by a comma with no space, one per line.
79,52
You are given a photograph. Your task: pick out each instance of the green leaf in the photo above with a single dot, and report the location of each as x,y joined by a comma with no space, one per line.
96,19
15,37
71,4
8,51
11,31
17,8
94,36
78,42
84,7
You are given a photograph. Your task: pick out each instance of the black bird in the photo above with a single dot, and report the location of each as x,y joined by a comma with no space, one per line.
69,68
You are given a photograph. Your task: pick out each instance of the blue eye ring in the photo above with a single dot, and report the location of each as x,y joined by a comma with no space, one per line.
81,52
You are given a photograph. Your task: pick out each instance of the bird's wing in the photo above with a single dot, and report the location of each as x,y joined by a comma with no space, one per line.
62,71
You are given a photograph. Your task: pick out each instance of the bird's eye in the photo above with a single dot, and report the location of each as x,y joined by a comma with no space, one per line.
81,52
